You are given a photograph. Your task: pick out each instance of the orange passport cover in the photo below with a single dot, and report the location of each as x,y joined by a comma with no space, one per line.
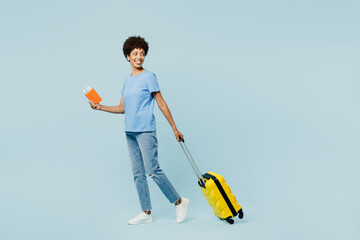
93,95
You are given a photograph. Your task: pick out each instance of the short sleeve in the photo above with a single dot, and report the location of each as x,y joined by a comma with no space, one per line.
153,85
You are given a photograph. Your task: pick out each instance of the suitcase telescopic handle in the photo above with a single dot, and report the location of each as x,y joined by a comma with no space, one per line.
191,161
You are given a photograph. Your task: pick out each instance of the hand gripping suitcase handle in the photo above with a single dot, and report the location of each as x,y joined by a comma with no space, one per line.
191,161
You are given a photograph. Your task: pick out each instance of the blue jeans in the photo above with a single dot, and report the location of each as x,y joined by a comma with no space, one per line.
144,160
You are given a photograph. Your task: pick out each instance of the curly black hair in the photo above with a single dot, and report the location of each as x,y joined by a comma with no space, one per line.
135,42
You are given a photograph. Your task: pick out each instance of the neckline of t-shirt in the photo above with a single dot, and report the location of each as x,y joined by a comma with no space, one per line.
138,74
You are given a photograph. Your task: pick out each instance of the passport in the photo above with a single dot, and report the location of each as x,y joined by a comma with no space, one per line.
91,94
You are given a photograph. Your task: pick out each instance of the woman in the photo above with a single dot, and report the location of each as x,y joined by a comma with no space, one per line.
139,93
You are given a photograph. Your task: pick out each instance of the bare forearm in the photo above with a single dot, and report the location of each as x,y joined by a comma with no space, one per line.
165,110
111,109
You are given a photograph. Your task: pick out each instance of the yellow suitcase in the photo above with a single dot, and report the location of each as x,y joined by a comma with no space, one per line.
220,197
216,191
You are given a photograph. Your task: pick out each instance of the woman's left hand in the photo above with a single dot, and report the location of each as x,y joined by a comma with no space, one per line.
178,135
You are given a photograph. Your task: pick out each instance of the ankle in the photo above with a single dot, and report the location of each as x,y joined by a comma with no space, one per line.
148,212
178,201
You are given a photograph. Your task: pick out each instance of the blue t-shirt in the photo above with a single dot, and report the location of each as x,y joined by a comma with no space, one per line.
139,102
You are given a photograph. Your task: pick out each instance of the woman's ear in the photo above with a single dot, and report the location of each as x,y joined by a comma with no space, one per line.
128,58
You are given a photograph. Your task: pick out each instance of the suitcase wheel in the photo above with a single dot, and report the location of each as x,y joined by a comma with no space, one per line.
230,220
241,214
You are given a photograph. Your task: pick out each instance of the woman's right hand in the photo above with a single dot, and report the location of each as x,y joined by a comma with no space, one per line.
94,106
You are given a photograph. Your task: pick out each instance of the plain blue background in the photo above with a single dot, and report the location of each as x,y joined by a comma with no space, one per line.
266,93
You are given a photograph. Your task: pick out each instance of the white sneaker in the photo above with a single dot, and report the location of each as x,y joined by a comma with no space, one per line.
181,210
140,219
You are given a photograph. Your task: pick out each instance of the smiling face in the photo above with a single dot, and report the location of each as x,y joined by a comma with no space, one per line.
136,57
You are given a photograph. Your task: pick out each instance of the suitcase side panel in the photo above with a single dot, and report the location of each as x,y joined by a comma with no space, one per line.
213,196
